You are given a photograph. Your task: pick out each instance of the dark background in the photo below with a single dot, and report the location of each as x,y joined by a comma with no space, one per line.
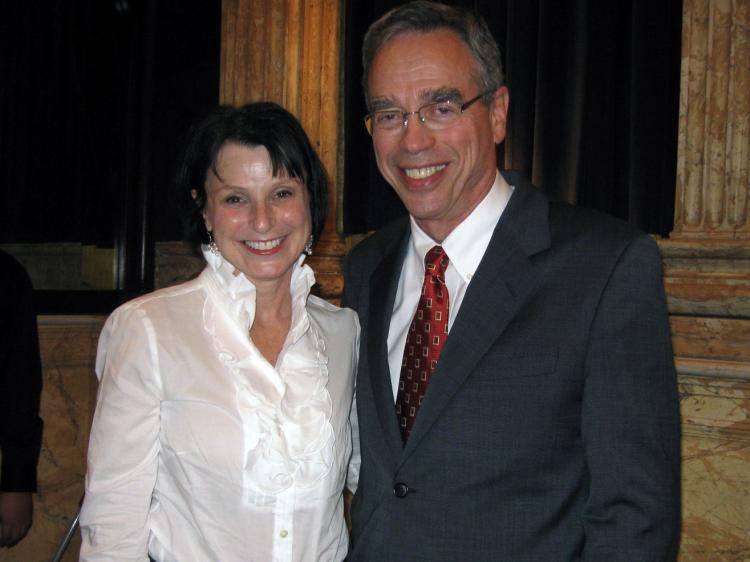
96,97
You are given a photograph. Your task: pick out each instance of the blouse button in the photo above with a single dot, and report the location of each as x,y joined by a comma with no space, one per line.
284,534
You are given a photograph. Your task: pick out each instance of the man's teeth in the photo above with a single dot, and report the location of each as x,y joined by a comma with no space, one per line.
263,245
420,173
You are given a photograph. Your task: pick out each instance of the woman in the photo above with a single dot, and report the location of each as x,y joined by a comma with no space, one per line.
222,428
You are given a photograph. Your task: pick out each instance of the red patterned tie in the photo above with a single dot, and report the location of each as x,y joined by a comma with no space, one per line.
424,342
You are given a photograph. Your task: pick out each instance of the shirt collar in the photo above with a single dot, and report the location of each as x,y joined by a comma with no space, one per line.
239,292
466,244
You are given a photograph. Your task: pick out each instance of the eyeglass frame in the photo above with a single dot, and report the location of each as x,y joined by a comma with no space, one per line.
368,119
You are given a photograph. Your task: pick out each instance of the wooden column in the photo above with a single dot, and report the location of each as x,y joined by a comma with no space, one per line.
707,278
287,51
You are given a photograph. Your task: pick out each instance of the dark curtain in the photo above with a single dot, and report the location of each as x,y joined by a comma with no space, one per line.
95,98
68,111
594,93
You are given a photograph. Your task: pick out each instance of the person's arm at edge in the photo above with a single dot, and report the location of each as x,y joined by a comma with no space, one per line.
124,443
21,426
630,417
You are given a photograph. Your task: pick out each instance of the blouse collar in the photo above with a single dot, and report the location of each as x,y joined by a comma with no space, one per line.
241,292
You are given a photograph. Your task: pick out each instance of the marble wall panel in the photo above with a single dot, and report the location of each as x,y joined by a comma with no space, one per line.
709,295
716,504
715,469
722,339
707,277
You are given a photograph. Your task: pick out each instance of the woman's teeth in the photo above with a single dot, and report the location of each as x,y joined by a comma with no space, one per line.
263,245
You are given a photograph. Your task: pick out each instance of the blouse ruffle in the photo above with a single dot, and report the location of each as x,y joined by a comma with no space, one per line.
286,410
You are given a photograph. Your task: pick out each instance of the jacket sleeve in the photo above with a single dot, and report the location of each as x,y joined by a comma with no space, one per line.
630,417
348,296
20,383
124,443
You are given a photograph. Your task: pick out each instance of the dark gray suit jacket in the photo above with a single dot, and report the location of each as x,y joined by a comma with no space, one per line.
550,429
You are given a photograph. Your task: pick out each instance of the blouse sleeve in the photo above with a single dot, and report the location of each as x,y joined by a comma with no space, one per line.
124,445
352,476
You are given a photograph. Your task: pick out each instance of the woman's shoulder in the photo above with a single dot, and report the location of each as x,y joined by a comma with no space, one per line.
318,304
153,303
343,318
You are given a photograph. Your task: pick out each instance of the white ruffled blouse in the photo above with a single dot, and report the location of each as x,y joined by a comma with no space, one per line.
200,449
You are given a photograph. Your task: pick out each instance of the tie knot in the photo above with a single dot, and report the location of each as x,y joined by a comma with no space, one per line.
436,262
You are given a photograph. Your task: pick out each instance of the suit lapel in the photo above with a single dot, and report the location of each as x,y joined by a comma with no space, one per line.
383,286
503,281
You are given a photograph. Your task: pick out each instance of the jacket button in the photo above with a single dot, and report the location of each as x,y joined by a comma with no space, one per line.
400,490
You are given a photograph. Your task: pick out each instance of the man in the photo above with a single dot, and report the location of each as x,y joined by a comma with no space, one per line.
20,387
546,426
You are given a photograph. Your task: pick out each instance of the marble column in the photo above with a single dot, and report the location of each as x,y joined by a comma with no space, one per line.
707,279
712,198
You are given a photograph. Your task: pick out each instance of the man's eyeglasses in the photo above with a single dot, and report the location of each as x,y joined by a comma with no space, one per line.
434,116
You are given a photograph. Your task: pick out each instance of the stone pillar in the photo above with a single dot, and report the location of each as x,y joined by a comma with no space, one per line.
707,278
713,148
287,51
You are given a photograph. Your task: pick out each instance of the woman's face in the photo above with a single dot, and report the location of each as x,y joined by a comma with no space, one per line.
261,223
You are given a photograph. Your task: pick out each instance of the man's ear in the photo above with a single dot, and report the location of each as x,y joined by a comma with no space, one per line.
499,113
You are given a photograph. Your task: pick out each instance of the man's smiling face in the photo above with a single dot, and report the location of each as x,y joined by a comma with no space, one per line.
439,175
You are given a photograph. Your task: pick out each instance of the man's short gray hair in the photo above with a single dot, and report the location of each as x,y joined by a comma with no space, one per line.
422,16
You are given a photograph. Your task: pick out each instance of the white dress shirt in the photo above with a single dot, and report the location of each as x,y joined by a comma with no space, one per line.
200,449
465,247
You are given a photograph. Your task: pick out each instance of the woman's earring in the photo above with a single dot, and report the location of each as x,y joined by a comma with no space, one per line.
308,246
212,247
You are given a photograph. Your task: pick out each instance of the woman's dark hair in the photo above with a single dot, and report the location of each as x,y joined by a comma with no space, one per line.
257,124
